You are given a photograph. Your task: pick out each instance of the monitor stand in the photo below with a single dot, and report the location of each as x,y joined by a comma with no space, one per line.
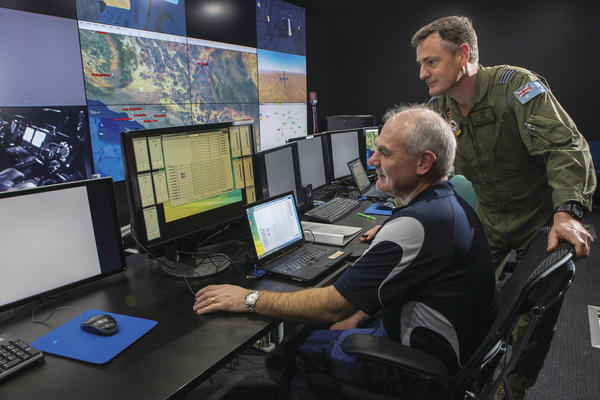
197,263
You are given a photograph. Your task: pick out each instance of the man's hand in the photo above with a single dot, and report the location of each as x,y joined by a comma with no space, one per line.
220,298
567,228
351,322
370,234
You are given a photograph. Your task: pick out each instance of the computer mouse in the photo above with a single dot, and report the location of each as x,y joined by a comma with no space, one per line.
102,325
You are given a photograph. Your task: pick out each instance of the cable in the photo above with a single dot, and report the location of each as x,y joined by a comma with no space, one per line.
311,232
135,239
39,321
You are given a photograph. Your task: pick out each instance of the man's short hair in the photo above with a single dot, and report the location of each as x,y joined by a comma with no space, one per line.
455,30
429,132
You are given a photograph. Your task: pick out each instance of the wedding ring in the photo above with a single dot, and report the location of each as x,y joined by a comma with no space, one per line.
212,299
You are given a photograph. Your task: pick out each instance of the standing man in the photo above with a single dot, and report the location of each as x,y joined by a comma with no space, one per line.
428,271
528,163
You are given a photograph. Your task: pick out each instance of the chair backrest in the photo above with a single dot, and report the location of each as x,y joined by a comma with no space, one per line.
538,281
464,188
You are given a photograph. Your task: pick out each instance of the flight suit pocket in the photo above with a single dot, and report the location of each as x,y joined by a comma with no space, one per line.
548,131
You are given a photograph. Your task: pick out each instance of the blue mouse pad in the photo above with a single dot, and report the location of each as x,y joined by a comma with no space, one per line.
69,340
378,209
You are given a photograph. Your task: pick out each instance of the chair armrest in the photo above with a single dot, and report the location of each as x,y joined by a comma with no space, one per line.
389,352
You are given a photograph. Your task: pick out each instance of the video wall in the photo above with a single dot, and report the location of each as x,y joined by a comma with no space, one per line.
76,73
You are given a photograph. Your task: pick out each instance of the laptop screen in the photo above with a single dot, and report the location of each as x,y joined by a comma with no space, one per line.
359,174
274,224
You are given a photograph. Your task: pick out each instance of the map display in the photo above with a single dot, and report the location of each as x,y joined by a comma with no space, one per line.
123,66
279,122
281,77
107,122
167,16
221,74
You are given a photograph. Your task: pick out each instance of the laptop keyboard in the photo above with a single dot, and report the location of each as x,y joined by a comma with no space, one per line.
15,354
333,210
300,258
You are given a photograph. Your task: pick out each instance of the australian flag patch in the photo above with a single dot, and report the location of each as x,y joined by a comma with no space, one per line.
529,91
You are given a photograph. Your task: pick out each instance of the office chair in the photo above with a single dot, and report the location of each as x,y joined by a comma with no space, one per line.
464,188
539,281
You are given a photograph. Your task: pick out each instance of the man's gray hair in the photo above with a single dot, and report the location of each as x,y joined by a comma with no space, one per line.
429,131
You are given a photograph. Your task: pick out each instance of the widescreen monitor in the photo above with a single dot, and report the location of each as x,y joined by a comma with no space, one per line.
227,21
167,16
185,180
43,145
281,26
56,237
280,122
343,148
312,162
277,173
38,67
281,77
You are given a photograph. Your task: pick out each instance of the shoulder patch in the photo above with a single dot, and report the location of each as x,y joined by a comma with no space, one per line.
529,91
506,75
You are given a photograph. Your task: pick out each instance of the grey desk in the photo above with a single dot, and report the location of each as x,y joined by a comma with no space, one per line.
169,361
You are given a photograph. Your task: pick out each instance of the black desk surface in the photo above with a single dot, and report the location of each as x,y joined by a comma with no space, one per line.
170,360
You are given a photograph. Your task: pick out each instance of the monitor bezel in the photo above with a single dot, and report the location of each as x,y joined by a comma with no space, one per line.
260,174
329,152
289,247
186,228
108,182
363,147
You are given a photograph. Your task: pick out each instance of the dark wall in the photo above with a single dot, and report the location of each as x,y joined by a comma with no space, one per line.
365,62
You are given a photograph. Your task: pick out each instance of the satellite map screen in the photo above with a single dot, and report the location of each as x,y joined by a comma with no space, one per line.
107,122
127,66
222,73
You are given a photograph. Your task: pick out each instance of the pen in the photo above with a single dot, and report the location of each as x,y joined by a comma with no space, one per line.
365,216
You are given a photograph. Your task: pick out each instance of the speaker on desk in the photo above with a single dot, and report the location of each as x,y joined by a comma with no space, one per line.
307,194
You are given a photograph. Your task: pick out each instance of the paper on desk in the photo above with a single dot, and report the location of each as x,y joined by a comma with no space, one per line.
336,235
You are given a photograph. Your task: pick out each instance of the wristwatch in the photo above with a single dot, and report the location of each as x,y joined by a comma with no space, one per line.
251,299
574,209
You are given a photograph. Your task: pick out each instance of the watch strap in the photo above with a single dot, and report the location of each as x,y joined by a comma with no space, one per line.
574,209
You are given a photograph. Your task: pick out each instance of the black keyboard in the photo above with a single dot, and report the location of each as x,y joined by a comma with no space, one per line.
333,210
301,258
15,354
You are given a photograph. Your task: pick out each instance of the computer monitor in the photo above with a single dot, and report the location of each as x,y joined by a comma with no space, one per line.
369,135
182,181
343,147
277,173
311,161
43,146
56,237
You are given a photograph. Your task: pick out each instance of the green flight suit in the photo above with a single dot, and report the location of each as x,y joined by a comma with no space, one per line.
524,158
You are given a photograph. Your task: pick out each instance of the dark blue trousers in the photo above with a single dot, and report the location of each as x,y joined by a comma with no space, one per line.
320,352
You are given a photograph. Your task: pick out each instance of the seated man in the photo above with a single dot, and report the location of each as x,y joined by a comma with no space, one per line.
428,271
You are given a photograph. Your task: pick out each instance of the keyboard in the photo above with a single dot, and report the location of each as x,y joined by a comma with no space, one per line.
301,258
333,210
15,354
